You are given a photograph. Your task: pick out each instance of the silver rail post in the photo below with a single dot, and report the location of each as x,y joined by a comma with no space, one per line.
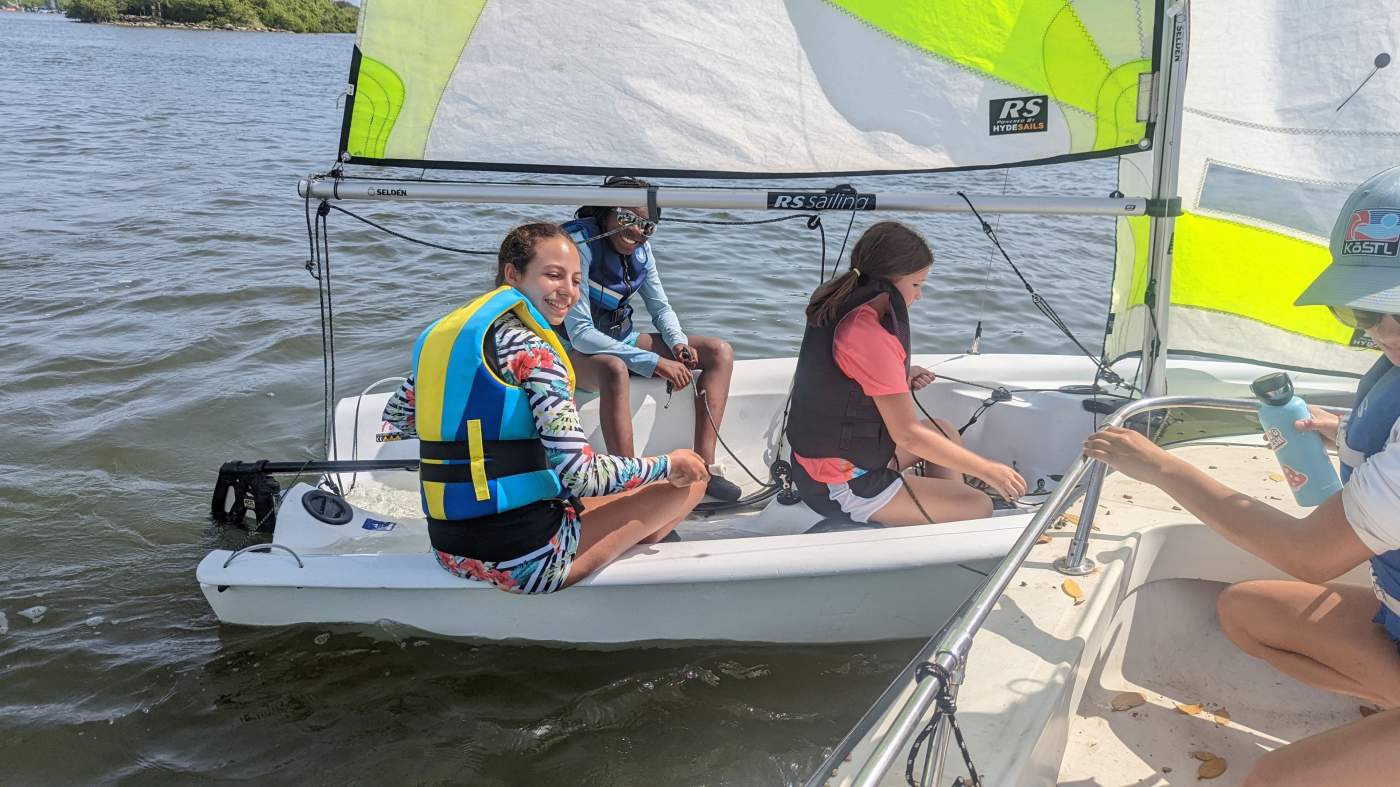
1076,562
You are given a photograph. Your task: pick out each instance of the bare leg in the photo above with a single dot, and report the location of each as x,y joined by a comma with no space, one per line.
944,500
716,359
1362,754
1321,635
608,375
905,459
616,523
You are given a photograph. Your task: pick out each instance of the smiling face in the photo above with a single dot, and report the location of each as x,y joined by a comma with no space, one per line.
911,286
626,241
550,279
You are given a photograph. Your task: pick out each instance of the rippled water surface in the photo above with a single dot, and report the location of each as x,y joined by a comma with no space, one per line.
157,322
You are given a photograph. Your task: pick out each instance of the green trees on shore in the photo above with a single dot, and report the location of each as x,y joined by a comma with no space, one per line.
298,16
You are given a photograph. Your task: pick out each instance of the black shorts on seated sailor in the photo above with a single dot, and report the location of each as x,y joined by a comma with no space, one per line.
857,499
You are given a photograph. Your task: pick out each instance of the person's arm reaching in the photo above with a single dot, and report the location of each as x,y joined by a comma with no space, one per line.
530,362
910,433
1316,548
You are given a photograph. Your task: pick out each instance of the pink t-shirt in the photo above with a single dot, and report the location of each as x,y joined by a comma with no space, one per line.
874,358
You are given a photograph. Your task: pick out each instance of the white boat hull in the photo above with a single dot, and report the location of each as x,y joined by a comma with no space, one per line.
829,587
753,576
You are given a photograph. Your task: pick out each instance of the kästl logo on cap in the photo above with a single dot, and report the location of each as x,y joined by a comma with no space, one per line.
1373,233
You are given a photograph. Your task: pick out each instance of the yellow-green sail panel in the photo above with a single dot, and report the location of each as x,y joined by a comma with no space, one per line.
408,51
1229,267
1040,46
379,98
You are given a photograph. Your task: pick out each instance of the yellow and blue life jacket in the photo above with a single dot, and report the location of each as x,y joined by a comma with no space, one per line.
480,451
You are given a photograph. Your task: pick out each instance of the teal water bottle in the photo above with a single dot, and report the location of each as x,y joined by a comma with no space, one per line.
1306,466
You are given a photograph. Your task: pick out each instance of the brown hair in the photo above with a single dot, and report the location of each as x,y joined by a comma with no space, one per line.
887,251
519,246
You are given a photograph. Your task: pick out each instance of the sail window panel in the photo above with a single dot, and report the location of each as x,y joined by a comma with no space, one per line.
1307,207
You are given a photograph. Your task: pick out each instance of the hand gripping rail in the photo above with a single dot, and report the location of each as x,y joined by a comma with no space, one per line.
949,648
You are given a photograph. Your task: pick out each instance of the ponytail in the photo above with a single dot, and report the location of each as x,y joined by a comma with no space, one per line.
888,250
827,300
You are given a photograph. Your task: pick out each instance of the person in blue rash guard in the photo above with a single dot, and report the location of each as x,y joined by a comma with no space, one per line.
606,350
1332,636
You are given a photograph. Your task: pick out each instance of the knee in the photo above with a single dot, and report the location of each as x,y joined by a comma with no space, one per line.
975,504
1236,606
947,429
984,504
717,352
1271,770
612,372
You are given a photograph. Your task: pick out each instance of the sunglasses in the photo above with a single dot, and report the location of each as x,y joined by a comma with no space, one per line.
1357,318
627,218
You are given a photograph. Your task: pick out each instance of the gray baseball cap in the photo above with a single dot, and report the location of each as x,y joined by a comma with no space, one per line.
1365,269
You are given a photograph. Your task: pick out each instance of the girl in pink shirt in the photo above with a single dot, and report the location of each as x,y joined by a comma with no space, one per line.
853,426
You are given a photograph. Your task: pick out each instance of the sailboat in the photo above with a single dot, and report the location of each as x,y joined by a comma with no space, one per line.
779,90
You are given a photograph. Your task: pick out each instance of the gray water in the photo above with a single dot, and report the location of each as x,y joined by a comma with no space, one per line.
157,321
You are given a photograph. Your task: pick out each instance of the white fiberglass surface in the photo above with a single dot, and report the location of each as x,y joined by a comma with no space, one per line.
1167,645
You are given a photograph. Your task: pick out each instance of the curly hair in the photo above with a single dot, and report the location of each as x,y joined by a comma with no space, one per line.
519,246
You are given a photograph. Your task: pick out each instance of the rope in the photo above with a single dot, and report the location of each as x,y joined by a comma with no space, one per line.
409,238
840,253
946,707
975,348
703,398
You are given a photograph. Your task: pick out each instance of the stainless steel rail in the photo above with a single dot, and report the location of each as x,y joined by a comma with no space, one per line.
952,645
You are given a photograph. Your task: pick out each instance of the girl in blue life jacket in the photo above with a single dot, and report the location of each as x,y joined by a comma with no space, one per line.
513,493
618,262
1340,638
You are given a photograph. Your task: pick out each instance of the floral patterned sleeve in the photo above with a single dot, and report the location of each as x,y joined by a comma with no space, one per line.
528,361
400,410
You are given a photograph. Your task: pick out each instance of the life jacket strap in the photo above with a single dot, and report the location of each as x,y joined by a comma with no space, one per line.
501,458
504,536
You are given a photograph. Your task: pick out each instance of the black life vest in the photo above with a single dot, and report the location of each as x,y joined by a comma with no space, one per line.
831,416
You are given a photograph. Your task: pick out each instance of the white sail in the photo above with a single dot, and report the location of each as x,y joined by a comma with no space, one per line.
1286,110
748,87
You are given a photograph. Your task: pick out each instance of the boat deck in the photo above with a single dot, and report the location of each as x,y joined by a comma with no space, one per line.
1044,671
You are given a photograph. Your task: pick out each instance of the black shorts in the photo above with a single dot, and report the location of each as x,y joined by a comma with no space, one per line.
857,499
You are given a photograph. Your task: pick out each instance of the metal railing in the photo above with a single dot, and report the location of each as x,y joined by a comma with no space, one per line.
949,648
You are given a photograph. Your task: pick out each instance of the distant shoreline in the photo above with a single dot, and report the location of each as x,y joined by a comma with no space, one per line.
151,21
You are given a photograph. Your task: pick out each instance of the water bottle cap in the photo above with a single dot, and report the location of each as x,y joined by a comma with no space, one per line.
1275,389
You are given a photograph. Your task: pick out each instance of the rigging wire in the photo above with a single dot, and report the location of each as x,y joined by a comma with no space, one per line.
1104,372
837,266
409,238
975,347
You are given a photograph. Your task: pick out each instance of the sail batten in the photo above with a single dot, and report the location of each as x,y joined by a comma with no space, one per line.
748,88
